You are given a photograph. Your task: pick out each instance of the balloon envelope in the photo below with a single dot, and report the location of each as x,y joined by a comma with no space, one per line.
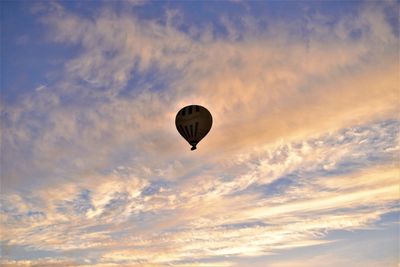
193,123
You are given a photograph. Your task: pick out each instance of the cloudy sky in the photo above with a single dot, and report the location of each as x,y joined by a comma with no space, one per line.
301,167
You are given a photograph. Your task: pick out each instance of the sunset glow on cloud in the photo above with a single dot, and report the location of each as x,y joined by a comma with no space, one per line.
300,168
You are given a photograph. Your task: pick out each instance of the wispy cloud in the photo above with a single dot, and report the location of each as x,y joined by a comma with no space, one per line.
211,216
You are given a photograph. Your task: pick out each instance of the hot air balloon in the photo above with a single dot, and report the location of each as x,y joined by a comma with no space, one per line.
193,123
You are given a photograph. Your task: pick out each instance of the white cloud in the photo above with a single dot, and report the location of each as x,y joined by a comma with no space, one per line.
211,216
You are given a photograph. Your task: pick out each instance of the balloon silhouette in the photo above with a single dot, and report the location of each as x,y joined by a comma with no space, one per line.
193,123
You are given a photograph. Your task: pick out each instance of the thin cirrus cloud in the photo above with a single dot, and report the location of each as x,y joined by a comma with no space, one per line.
222,218
304,141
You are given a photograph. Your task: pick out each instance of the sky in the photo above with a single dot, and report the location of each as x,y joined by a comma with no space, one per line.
300,168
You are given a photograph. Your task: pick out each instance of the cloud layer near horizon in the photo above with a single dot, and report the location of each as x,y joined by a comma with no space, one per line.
305,139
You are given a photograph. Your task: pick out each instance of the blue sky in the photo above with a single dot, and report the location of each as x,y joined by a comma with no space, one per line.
299,169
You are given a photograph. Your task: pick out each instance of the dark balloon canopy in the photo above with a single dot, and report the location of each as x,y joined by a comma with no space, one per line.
193,123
